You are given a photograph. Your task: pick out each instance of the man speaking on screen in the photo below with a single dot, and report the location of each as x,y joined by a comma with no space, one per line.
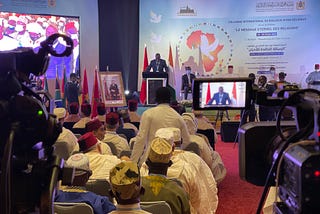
220,98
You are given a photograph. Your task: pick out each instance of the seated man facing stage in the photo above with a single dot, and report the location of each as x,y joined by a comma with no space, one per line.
187,79
220,98
157,65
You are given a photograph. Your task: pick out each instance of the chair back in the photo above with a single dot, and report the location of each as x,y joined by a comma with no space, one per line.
156,207
71,208
128,133
78,131
68,125
137,124
99,187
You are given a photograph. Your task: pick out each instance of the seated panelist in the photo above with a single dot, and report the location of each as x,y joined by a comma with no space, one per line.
187,79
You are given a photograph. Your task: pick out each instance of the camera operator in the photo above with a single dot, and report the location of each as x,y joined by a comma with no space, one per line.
73,89
266,113
251,113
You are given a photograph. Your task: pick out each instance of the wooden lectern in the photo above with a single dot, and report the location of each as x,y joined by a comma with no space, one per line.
154,80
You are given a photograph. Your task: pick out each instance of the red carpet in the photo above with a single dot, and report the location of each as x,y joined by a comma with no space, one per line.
235,195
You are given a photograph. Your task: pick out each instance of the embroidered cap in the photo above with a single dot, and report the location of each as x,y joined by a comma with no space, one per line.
78,161
59,112
125,180
160,150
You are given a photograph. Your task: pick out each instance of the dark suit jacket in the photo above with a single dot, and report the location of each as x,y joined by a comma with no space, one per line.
225,98
162,66
185,82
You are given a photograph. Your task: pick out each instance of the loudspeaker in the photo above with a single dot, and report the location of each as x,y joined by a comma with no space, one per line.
229,130
255,139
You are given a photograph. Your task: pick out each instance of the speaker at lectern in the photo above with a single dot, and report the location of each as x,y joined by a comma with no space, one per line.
154,80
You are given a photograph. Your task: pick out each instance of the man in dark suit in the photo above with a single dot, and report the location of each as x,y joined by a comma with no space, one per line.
187,79
220,98
157,64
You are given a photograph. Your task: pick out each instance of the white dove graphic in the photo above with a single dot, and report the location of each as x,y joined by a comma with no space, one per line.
155,38
206,48
154,18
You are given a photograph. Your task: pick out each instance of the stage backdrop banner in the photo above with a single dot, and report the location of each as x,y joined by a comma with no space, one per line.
251,35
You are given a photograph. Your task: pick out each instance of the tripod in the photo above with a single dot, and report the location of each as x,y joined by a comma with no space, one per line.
220,114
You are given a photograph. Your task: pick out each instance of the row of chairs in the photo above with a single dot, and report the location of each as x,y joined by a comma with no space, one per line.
155,207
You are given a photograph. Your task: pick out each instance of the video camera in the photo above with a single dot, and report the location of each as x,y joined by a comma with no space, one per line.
29,170
285,154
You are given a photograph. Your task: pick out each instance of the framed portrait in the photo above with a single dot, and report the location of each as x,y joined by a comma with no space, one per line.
112,88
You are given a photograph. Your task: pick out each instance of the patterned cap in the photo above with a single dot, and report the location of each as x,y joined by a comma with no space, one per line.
125,180
78,161
165,133
160,150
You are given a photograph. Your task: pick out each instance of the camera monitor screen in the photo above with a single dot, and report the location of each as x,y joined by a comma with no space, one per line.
224,93
29,30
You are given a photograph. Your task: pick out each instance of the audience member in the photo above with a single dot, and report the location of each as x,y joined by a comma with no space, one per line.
157,186
97,128
124,114
100,164
193,172
77,193
126,187
217,168
204,125
205,149
85,116
282,82
313,79
154,118
73,113
178,107
111,136
66,135
251,112
266,113
133,107
101,110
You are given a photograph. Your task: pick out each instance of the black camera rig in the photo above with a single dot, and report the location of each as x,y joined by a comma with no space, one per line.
290,158
29,170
